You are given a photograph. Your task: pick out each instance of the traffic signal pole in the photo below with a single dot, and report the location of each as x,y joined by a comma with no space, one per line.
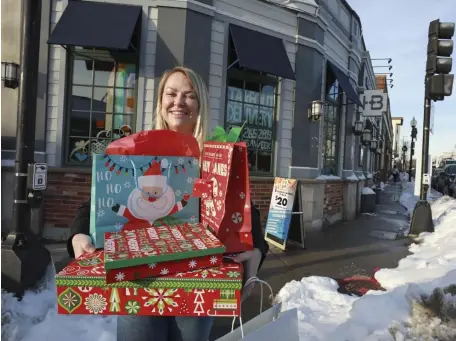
438,85
425,150
25,260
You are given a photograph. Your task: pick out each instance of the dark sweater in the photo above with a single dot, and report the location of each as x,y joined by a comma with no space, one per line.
81,224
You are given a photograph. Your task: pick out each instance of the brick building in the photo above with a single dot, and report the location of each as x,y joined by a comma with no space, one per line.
309,50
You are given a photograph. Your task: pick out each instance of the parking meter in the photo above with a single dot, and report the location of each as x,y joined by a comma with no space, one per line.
36,183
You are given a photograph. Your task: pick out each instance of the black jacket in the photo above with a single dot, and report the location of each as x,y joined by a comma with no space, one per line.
81,224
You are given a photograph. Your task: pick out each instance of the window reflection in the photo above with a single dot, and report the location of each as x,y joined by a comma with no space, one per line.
101,107
253,104
331,124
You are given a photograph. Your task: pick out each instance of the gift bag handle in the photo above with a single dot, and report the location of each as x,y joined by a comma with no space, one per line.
249,281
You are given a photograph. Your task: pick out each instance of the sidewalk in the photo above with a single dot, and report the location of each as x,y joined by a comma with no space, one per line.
342,250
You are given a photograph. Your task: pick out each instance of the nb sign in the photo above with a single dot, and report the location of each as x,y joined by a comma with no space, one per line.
375,102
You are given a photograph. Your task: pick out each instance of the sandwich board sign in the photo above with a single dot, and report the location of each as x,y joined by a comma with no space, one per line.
285,214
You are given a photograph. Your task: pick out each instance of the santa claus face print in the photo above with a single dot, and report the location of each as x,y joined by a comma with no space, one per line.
152,193
143,208
180,105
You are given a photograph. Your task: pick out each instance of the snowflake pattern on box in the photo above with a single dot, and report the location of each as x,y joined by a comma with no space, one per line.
115,186
203,292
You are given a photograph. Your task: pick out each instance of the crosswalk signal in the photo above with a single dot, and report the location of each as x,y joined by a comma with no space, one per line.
439,81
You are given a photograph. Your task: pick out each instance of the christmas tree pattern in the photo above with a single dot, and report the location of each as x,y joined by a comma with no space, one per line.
114,300
199,301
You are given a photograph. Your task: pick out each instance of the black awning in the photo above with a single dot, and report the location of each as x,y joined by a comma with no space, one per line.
344,82
96,25
261,52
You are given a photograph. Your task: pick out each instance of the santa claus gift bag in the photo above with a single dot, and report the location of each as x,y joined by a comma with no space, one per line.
224,190
142,180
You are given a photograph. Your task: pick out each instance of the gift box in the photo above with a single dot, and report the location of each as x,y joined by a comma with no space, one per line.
82,289
158,251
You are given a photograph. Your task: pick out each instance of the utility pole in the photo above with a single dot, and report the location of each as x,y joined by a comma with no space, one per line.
24,258
438,85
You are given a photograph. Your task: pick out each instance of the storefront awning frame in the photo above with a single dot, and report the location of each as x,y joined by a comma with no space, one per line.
261,52
344,82
97,25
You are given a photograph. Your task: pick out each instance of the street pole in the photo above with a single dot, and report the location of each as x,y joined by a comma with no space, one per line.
422,214
24,258
425,149
412,148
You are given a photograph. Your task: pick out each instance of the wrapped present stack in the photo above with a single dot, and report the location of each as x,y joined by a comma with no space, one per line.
162,271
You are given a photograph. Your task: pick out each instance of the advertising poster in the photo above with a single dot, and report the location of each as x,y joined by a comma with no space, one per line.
281,211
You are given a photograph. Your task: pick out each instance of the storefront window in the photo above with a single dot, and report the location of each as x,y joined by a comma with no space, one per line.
251,99
331,125
101,104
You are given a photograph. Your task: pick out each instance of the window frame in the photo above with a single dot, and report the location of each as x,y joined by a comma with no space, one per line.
131,57
335,104
263,79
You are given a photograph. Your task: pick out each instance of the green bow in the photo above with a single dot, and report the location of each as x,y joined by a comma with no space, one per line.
220,135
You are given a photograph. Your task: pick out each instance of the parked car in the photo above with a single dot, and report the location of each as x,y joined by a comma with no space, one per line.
449,175
435,179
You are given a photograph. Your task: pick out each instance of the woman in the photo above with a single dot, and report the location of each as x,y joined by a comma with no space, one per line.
182,106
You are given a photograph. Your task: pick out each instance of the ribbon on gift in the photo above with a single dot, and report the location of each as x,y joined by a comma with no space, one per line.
202,188
220,135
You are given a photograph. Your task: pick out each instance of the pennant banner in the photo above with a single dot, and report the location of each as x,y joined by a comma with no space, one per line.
118,169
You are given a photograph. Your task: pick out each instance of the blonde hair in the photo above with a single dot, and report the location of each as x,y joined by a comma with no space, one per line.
199,131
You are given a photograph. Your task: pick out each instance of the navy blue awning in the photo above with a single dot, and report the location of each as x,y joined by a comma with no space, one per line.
344,82
96,25
261,52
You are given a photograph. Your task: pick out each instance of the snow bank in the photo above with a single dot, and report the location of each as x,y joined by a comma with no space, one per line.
408,199
326,315
35,318
367,191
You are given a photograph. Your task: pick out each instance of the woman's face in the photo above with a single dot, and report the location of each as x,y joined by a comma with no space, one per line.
179,104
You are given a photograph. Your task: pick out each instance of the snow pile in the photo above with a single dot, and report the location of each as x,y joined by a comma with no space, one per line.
35,318
352,177
367,191
408,199
410,310
328,177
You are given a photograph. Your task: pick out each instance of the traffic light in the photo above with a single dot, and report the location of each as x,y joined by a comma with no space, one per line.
439,81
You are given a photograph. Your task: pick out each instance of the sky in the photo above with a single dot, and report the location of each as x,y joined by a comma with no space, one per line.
398,29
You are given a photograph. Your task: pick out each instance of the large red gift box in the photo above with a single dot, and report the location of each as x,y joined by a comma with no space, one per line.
82,289
157,251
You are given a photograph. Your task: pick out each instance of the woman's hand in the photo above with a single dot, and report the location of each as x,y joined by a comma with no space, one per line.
251,260
81,244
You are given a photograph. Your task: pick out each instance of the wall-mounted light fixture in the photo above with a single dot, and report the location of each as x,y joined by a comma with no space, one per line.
358,128
389,67
316,110
388,59
373,145
10,75
366,137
